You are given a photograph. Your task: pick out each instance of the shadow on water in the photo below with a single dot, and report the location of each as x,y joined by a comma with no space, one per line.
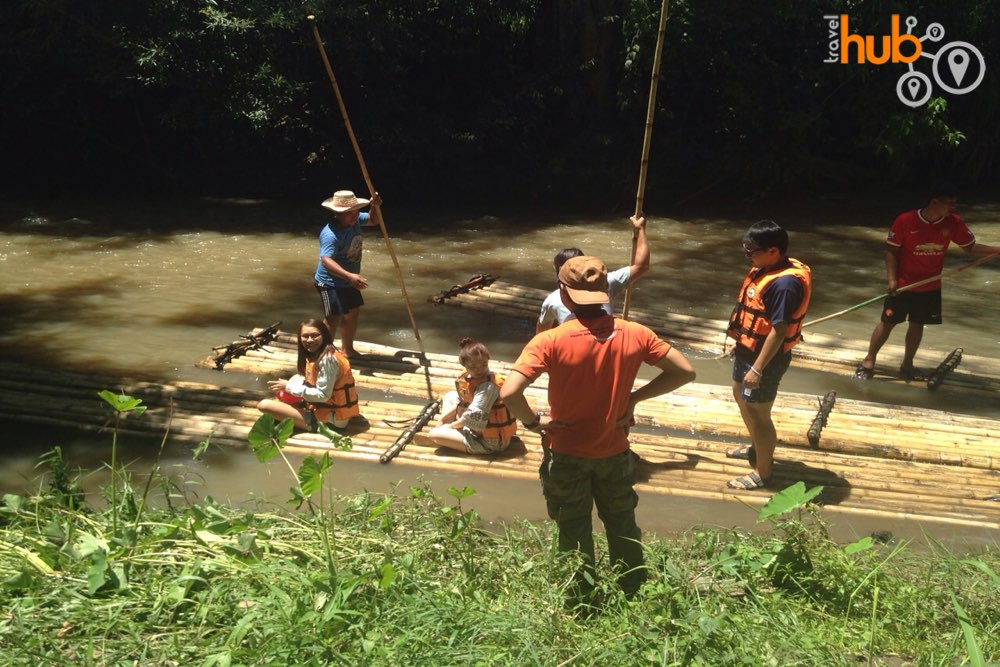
150,286
244,312
69,301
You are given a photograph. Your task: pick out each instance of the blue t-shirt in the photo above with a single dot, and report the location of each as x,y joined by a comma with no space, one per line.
343,244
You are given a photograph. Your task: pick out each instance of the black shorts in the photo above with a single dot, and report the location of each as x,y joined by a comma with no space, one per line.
339,300
918,307
770,377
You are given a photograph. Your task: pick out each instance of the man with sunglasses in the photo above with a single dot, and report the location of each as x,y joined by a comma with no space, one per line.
766,324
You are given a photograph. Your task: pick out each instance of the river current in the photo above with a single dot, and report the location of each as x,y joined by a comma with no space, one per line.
147,287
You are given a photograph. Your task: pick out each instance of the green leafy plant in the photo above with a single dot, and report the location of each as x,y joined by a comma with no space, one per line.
268,438
123,406
67,489
463,526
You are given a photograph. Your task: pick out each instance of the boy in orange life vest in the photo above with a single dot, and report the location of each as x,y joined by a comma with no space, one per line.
474,419
766,324
592,362
917,242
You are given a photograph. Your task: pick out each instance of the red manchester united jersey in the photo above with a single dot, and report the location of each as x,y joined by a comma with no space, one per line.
922,246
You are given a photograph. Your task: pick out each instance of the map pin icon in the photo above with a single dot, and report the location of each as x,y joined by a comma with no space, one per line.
914,86
958,63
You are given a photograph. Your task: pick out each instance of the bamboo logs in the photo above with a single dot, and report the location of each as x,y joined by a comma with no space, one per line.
683,464
819,352
857,427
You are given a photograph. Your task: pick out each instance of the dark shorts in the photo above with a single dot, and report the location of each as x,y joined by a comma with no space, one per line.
770,376
339,300
918,307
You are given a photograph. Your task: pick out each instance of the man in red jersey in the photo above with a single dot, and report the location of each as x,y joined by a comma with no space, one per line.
592,362
916,245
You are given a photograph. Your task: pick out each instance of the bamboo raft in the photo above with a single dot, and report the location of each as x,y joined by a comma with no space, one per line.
978,375
855,427
688,464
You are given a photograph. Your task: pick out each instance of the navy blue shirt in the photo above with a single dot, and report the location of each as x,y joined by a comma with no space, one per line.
783,296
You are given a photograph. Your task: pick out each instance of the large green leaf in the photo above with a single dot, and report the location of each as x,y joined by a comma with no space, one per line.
388,576
86,545
122,402
465,492
311,473
860,545
267,436
791,498
97,573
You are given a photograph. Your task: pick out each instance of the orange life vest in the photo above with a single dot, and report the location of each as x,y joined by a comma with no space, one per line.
749,324
500,423
343,402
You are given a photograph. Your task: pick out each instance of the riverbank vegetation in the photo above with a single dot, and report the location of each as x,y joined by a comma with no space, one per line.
478,100
413,578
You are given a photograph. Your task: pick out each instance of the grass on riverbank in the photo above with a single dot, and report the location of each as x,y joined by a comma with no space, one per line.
414,581
411,579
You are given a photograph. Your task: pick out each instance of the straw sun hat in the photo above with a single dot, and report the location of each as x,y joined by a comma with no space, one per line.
344,200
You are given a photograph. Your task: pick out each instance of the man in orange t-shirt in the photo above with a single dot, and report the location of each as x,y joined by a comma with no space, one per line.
592,362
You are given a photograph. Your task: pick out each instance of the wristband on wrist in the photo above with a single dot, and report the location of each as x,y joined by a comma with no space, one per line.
756,372
534,423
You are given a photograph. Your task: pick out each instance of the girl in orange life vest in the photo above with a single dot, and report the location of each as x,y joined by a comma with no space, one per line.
324,385
474,419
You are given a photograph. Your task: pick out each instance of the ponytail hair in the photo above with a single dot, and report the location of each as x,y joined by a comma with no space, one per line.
470,347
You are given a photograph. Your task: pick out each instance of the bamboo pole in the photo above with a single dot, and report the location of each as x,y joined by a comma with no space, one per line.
376,206
905,288
646,141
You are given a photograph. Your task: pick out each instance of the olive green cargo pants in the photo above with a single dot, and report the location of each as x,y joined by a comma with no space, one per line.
572,485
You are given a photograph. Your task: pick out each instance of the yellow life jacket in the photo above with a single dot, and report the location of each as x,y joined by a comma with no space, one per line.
343,402
749,324
500,424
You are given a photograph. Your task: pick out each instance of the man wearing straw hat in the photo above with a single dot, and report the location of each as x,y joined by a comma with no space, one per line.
592,362
338,272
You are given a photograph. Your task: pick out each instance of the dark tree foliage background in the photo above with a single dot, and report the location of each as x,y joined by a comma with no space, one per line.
539,101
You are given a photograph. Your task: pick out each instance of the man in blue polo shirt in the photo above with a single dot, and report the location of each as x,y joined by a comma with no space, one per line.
338,271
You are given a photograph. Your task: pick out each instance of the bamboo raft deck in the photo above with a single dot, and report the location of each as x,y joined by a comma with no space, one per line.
707,411
977,375
679,464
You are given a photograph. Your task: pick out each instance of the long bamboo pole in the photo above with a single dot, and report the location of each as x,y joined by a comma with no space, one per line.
906,288
376,207
646,141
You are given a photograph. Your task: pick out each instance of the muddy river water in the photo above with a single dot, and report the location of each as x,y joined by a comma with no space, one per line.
147,287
